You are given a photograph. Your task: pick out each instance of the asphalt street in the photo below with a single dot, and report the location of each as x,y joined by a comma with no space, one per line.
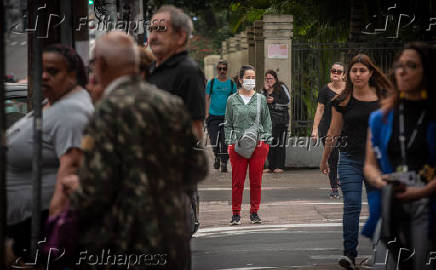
281,247
16,55
301,226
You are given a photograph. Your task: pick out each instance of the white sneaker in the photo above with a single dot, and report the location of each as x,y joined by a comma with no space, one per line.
347,263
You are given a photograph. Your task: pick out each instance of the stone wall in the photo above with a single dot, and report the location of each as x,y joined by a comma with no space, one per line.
210,62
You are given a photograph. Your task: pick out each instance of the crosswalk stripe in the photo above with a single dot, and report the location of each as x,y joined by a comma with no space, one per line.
261,228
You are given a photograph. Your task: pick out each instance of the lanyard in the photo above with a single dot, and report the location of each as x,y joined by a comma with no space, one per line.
402,137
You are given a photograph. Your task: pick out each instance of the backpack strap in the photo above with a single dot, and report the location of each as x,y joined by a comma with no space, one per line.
231,85
211,87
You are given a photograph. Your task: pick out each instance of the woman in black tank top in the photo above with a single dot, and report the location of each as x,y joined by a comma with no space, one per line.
365,87
323,115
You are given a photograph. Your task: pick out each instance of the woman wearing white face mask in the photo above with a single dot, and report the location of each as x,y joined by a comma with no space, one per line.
241,111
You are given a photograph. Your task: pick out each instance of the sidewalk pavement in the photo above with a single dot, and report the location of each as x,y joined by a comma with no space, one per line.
297,196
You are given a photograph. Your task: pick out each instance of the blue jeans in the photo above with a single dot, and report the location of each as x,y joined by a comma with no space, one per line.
350,170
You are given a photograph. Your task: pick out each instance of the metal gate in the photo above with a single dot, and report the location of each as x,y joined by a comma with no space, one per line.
310,72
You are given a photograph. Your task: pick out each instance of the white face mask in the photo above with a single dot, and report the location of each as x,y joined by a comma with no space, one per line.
249,84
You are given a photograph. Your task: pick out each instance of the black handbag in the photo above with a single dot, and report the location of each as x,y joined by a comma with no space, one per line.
387,194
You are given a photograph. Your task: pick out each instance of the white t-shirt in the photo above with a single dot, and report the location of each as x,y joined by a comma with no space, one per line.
246,99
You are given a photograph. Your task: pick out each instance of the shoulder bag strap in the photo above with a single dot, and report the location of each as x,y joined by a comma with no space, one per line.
258,96
286,90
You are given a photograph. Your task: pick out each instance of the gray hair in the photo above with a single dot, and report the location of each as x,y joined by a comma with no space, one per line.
178,19
119,49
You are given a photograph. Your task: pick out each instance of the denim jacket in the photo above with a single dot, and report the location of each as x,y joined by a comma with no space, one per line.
239,117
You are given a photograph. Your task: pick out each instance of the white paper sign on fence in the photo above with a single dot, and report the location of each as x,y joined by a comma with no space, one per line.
278,51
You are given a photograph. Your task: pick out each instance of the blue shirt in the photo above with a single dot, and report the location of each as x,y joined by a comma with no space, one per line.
220,92
381,131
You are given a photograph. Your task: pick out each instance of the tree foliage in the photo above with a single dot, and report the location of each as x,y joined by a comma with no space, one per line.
314,21
327,21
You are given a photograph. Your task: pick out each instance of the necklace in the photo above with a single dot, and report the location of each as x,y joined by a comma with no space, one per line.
335,89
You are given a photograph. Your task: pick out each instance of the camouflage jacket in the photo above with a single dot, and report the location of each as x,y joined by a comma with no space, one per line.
140,157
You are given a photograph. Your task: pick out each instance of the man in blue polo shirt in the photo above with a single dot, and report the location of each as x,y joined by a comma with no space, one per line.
217,91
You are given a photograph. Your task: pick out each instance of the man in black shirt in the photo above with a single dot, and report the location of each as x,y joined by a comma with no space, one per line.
173,70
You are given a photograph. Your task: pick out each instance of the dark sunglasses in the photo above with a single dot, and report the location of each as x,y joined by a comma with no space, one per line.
157,28
222,68
336,71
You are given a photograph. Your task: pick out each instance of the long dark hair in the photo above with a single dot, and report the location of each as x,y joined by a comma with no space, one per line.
243,69
427,61
74,61
274,74
378,79
278,84
432,83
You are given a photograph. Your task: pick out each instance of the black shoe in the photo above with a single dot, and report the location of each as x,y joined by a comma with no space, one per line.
216,164
255,219
236,220
347,262
334,195
224,167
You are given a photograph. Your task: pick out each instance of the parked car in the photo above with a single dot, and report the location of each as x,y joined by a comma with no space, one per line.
15,102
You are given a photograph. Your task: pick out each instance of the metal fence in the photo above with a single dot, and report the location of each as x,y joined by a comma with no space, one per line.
310,72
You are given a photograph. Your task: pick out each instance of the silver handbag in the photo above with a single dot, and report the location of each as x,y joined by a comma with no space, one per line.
246,145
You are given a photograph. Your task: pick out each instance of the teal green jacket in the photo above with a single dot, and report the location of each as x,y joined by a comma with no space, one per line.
239,117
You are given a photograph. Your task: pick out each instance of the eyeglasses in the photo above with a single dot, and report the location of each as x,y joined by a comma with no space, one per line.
222,68
408,66
157,26
336,71
269,79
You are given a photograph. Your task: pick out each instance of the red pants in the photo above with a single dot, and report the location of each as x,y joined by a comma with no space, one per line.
239,171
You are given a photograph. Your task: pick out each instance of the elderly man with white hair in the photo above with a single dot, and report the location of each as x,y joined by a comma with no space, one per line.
139,157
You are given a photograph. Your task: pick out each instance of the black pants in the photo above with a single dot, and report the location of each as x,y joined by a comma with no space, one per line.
215,128
277,149
21,233
333,165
